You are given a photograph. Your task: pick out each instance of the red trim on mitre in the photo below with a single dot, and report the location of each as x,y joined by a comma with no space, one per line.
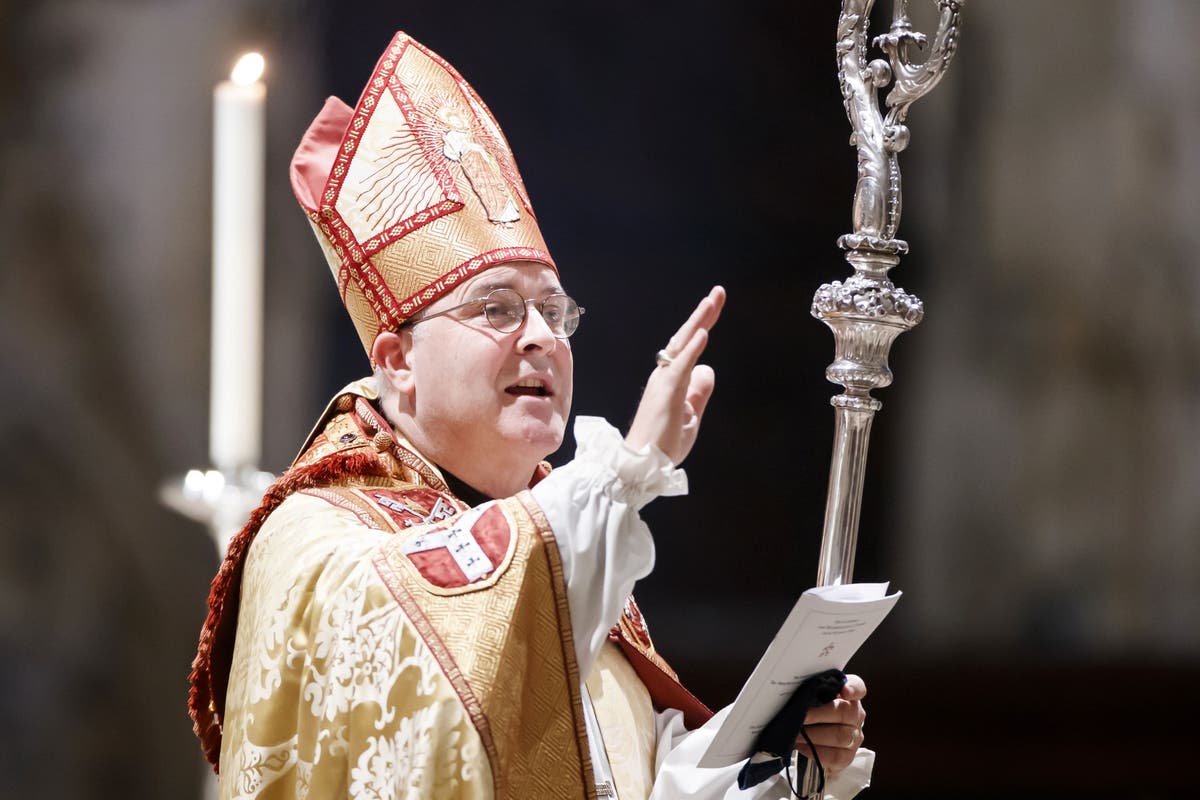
372,285
214,654
415,302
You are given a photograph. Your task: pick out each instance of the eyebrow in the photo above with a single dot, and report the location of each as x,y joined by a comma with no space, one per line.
484,288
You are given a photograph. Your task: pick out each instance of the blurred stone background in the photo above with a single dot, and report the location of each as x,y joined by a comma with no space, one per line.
1032,481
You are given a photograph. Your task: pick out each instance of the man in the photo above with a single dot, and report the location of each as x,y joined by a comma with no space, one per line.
420,608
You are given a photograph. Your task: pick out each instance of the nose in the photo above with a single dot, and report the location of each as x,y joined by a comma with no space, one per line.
534,333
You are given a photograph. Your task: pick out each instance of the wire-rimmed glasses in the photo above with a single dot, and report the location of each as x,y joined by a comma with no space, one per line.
504,309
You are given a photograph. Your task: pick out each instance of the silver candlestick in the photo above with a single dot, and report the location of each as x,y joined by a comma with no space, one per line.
220,499
867,312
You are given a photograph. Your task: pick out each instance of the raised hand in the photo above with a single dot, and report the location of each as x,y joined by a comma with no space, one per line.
678,390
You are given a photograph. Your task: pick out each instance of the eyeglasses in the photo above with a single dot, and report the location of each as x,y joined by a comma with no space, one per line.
504,310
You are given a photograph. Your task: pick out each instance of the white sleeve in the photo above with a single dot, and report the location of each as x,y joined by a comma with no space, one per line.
592,506
679,750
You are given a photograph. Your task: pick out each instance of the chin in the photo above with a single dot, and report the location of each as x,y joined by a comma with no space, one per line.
540,437
549,442
538,428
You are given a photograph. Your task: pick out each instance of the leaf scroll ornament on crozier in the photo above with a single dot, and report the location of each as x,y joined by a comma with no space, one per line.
866,311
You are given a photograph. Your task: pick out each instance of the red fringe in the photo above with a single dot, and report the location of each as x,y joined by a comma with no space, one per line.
214,655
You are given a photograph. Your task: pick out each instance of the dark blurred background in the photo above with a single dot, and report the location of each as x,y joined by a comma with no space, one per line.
1032,484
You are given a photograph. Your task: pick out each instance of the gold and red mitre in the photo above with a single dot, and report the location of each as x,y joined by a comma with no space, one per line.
412,191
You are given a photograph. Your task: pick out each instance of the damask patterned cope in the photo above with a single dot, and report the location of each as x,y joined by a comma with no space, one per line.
359,653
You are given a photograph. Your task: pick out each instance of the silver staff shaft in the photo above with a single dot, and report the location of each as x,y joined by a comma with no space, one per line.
851,437
867,312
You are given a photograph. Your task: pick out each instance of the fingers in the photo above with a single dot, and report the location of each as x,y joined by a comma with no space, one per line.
837,755
703,318
716,296
693,383
837,737
836,728
678,390
700,389
855,688
691,420
838,712
690,353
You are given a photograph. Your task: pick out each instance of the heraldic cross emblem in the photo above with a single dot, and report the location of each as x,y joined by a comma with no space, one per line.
459,542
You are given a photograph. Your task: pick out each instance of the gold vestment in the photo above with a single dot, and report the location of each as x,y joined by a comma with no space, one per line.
364,666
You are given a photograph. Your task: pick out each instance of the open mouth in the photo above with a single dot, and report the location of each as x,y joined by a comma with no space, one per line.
530,387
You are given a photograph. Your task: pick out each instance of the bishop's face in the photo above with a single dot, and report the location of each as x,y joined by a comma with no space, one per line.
476,389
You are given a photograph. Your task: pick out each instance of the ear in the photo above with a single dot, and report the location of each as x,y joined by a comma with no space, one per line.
392,354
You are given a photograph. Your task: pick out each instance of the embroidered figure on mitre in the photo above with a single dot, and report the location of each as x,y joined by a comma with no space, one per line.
481,169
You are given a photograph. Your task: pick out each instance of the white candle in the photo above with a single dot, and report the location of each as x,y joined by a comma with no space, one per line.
235,420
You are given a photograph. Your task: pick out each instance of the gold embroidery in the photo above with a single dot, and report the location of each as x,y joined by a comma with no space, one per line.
502,683
366,512
423,189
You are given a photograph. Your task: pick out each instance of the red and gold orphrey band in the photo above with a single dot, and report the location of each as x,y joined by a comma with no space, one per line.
413,190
